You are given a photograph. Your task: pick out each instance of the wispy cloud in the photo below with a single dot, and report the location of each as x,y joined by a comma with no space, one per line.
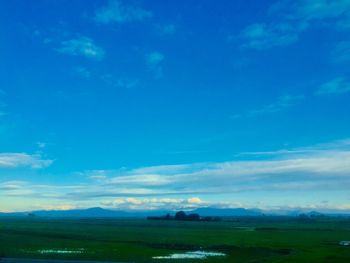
333,87
318,168
82,46
12,185
117,82
166,29
14,160
82,72
263,36
154,62
313,10
293,18
117,12
154,58
111,80
282,103
41,145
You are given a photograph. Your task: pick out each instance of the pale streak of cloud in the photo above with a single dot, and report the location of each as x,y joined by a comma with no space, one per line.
81,46
292,18
12,185
262,36
335,86
282,103
15,160
116,82
154,62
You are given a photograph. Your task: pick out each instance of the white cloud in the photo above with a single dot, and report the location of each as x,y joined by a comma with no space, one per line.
117,12
334,86
194,200
82,46
132,203
173,204
14,160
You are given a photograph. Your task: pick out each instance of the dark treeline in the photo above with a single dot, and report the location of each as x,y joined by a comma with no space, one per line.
182,216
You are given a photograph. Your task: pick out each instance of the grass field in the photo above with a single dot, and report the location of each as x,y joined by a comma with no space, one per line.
139,240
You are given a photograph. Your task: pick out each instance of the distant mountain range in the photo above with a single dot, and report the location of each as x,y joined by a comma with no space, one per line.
98,212
94,212
209,211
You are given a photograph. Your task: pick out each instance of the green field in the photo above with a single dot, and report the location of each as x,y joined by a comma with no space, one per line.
138,240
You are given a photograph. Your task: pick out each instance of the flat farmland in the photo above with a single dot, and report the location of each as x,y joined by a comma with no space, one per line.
260,239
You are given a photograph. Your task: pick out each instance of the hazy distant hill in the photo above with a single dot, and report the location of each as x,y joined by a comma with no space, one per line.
106,213
98,212
95,212
208,211
90,212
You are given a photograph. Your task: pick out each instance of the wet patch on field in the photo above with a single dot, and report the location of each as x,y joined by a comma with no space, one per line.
56,251
188,251
192,255
61,251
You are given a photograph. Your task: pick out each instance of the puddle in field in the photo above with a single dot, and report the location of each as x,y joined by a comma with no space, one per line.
61,251
345,243
192,255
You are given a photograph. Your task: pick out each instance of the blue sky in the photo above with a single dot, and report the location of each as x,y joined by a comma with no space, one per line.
174,104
